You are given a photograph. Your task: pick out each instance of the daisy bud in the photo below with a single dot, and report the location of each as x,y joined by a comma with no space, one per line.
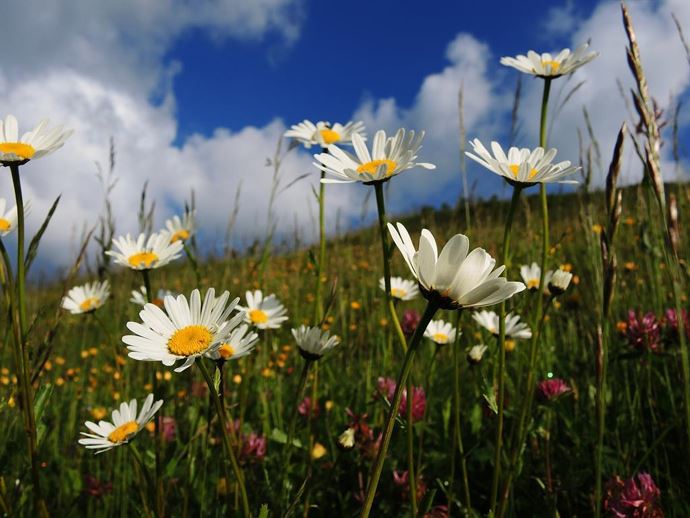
476,353
559,282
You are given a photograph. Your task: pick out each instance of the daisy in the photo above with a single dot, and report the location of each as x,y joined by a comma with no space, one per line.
184,331
514,328
86,298
476,353
324,133
313,343
34,144
145,254
125,425
454,279
401,289
181,229
524,167
264,313
389,156
239,344
531,274
440,332
8,220
139,296
559,282
549,67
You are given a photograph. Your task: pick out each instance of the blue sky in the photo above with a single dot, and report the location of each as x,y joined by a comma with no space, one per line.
197,93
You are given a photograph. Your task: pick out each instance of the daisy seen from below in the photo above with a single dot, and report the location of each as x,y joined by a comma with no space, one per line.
86,298
389,156
124,426
476,353
531,274
514,328
33,144
401,289
454,279
143,253
440,332
324,133
314,343
263,312
548,66
139,296
522,167
240,343
181,229
558,282
8,220
185,331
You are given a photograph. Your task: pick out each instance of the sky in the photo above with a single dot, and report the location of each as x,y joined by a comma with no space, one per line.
197,94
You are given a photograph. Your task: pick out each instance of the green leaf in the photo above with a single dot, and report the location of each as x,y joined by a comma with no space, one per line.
281,437
33,246
216,380
41,400
263,512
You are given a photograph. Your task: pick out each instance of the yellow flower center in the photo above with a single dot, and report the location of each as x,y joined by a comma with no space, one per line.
532,284
4,225
24,151
226,351
145,258
123,432
398,293
373,166
329,136
555,65
89,304
190,340
258,317
180,235
440,338
515,169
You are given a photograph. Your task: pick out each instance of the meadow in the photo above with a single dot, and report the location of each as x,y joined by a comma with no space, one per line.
581,408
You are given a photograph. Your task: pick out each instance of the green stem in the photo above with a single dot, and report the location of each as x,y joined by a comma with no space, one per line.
502,351
194,263
457,430
383,230
293,420
410,452
318,302
429,312
220,410
21,353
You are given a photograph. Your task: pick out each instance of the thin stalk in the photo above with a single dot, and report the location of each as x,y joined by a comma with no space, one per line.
502,352
429,313
21,352
318,302
383,230
457,430
293,420
220,410
194,263
145,473
410,452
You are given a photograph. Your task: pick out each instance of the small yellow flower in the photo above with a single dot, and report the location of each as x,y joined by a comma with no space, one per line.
318,451
328,405
621,326
509,346
84,354
567,267
11,402
167,375
353,327
629,221
287,348
93,351
60,360
222,487
98,413
355,305
597,228
116,396
383,322
267,372
150,426
48,365
5,380
630,266
575,280
237,379
60,381
117,376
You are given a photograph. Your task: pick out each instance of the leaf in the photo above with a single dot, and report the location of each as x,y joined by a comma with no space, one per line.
33,246
281,437
490,398
263,512
41,400
216,380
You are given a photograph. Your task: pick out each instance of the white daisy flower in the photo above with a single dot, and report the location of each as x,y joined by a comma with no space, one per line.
145,254
139,296
181,229
559,282
8,220
184,331
514,328
264,313
239,344
86,298
125,425
476,353
401,289
440,332
324,133
34,144
389,156
313,343
524,166
549,66
531,275
455,278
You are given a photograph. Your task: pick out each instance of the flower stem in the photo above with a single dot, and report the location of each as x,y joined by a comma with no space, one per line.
21,352
410,451
220,410
457,430
380,204
502,351
194,263
318,299
429,312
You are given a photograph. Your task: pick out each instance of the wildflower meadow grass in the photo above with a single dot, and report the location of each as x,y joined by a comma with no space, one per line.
531,362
